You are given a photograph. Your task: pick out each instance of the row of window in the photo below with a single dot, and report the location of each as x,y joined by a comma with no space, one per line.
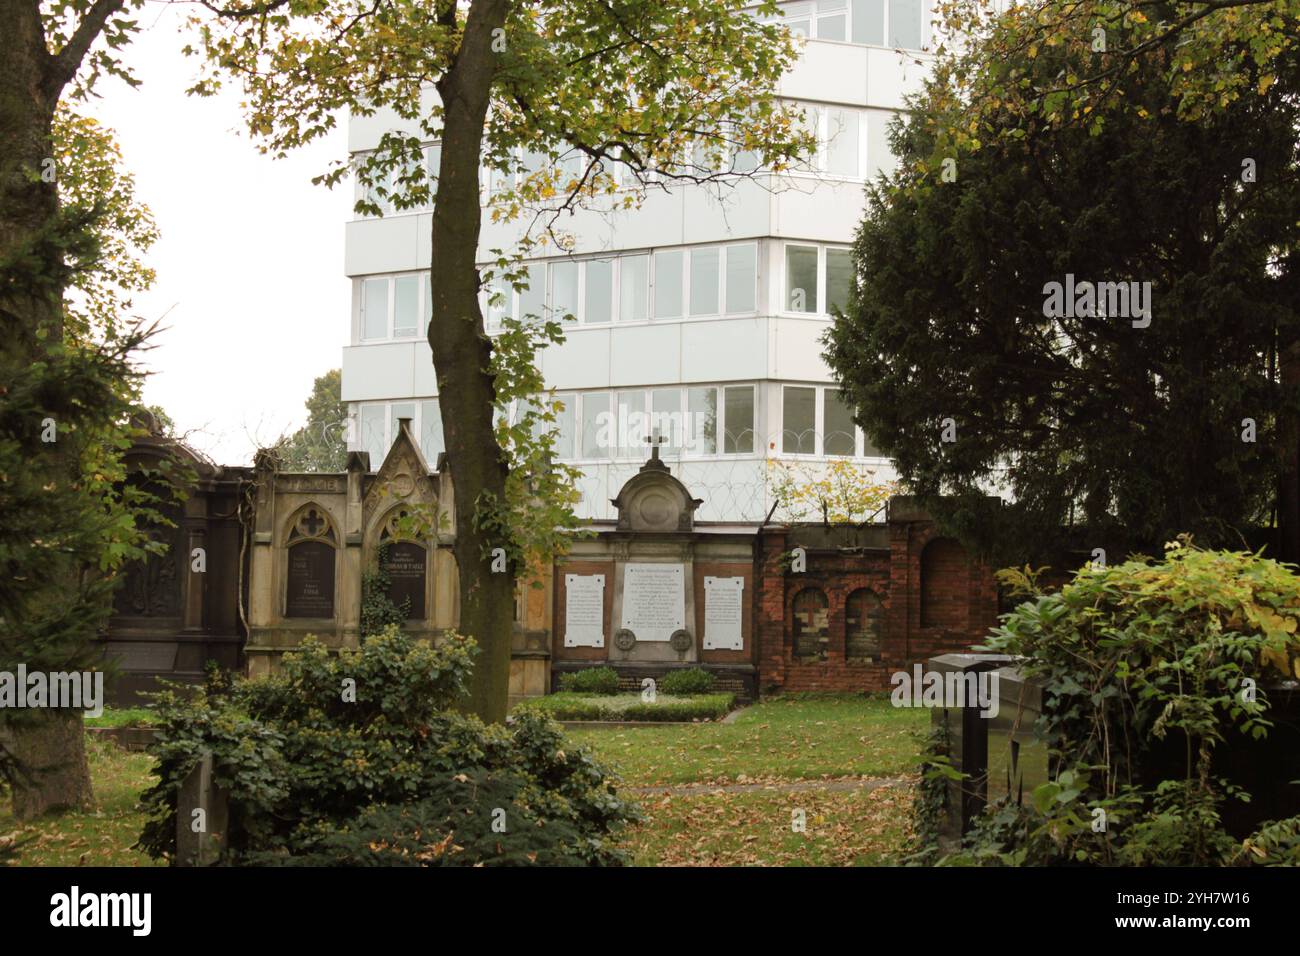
892,23
851,143
664,285
690,421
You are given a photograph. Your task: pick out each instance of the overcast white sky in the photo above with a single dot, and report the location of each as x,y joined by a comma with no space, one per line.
250,262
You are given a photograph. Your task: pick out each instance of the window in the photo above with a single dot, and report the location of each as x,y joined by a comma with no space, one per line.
738,420
633,288
431,442
532,298
904,24
839,279
374,309
801,278
564,426
839,434
704,281
666,417
668,284
598,303
842,142
702,421
594,437
631,423
799,420
869,22
859,21
373,438
406,306
564,289
742,278
832,19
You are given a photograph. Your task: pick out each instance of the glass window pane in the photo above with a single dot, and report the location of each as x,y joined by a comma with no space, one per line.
564,423
632,424
598,427
869,22
839,279
599,303
839,434
373,422
666,418
831,28
406,305
633,288
799,420
668,285
905,24
374,309
702,421
564,289
398,410
842,142
742,278
431,444
532,298
738,419
704,281
498,302
801,278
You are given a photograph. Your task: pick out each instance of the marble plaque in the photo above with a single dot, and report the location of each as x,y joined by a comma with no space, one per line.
722,613
584,610
654,600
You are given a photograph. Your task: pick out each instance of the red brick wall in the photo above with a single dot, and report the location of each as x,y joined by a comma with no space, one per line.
918,572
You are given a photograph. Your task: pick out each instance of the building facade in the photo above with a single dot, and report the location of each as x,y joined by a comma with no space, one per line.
700,312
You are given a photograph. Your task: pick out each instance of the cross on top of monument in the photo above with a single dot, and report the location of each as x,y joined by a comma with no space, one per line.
654,440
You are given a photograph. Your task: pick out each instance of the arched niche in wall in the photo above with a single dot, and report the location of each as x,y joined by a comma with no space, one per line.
311,551
944,579
863,617
405,561
810,623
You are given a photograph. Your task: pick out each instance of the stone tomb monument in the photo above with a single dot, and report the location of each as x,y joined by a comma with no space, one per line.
655,591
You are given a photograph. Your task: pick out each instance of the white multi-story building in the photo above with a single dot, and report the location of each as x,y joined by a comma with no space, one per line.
703,307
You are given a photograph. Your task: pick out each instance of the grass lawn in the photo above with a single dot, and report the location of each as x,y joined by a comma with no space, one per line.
713,794
122,717
99,837
786,738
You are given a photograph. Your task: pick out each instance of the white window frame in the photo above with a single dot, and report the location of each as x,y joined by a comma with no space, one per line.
422,303
823,306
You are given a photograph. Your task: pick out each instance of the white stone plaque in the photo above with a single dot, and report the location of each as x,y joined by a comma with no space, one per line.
722,608
654,600
584,610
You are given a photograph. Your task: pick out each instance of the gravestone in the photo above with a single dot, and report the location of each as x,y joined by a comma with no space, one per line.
309,591
405,563
202,815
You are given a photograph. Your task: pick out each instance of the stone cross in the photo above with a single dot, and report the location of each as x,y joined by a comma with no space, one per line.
311,522
655,440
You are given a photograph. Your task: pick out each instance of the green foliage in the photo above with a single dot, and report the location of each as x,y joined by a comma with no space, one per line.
378,610
633,707
1134,432
930,803
695,680
591,680
394,776
1144,666
321,444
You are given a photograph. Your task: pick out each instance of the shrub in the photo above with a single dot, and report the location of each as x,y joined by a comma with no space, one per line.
356,758
693,681
1144,666
593,680
570,706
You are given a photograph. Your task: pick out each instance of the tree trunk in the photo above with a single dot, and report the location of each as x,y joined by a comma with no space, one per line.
1288,506
49,747
461,352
